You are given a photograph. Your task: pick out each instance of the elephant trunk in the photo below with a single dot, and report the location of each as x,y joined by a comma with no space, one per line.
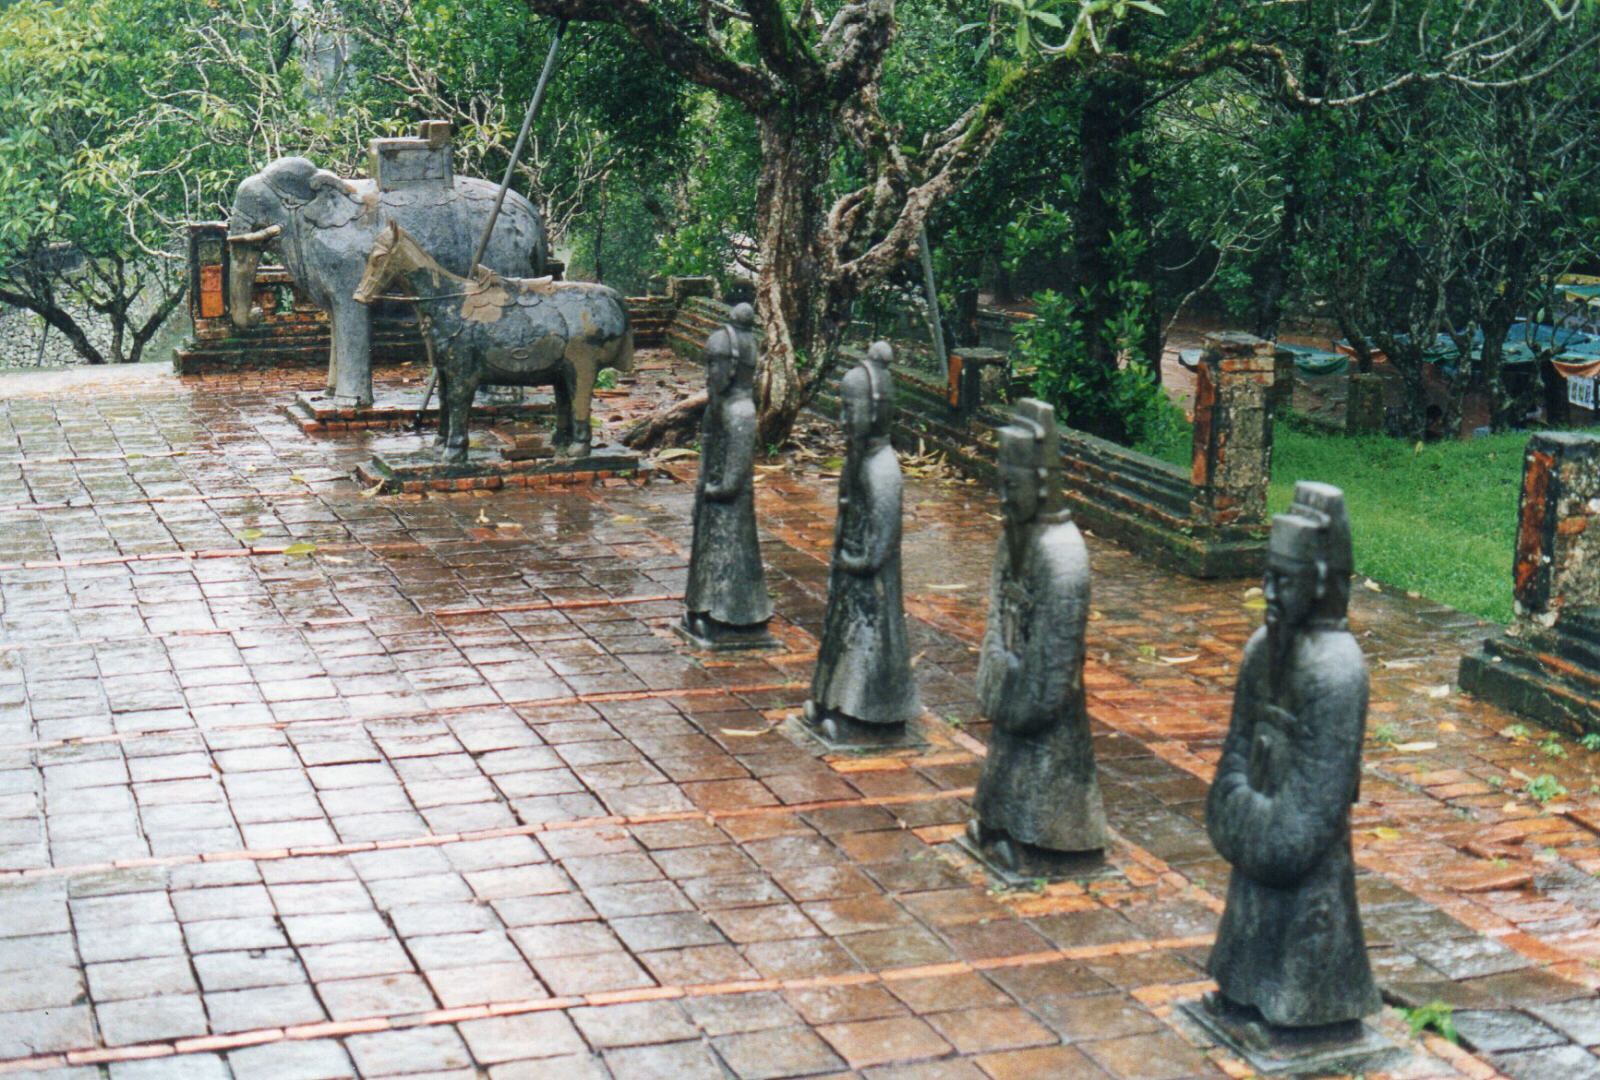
244,255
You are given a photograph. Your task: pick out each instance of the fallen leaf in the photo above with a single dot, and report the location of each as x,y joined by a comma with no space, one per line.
1254,590
1256,603
677,452
1415,747
743,732
482,518
948,588
296,478
250,534
1179,659
335,558
1446,726
375,489
1373,585
917,659
303,547
624,519
1383,832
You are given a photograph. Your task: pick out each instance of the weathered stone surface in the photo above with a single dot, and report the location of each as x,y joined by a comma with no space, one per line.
1037,797
726,599
505,331
1290,943
1547,665
862,684
321,228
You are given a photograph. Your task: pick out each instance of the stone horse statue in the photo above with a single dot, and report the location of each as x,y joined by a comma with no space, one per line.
505,331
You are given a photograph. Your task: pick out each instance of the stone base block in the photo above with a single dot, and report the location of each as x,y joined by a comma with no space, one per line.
398,408
728,639
1551,677
844,736
1349,1049
413,469
1082,866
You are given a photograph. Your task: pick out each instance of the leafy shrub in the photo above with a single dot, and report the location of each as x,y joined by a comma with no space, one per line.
1124,403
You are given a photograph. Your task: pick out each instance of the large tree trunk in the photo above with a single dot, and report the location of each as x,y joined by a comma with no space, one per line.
803,316
1109,203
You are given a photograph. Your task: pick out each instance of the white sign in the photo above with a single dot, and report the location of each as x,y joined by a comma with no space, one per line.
1580,390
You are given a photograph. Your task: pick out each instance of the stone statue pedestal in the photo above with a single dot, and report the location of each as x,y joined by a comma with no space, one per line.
705,633
1351,1048
841,734
401,466
397,407
1028,865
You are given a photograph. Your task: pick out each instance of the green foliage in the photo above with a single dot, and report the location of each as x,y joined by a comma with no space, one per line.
1590,741
1124,404
1543,788
1441,523
1435,1015
606,380
1551,747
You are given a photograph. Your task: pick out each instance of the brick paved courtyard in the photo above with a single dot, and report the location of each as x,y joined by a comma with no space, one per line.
297,781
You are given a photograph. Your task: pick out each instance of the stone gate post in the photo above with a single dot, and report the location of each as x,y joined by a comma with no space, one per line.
1233,429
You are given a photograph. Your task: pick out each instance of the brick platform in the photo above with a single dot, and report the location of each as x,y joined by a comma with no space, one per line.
301,781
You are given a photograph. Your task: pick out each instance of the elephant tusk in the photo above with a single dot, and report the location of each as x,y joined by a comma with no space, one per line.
260,236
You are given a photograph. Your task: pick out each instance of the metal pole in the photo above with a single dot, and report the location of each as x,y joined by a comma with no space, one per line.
516,151
935,327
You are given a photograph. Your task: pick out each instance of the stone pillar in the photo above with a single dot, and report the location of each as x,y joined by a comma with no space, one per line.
1558,554
1363,404
1546,666
1233,429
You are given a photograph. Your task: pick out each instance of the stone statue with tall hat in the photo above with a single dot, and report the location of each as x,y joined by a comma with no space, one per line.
862,690
726,604
1038,810
1290,958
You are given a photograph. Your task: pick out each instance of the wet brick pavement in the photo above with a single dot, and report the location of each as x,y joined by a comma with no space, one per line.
298,782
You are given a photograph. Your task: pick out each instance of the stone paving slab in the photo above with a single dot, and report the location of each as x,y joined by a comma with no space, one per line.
297,781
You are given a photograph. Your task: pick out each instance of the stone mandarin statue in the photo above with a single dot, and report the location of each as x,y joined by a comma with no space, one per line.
1038,803
862,689
1290,943
726,600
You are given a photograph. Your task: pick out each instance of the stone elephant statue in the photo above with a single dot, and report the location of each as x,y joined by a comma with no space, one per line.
321,227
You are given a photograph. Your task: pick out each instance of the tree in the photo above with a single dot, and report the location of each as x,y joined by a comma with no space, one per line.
1447,207
842,194
80,232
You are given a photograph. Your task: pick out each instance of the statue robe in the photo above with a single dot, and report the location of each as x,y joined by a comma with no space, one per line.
864,661
1038,781
1290,940
726,580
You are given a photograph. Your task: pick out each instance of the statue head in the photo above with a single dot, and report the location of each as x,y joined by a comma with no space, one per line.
1309,558
1030,463
863,393
743,316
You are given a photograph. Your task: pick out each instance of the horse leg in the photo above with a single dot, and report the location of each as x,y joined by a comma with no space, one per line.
583,371
561,386
441,389
458,402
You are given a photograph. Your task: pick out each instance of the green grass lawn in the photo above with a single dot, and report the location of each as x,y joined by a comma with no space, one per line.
1441,521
